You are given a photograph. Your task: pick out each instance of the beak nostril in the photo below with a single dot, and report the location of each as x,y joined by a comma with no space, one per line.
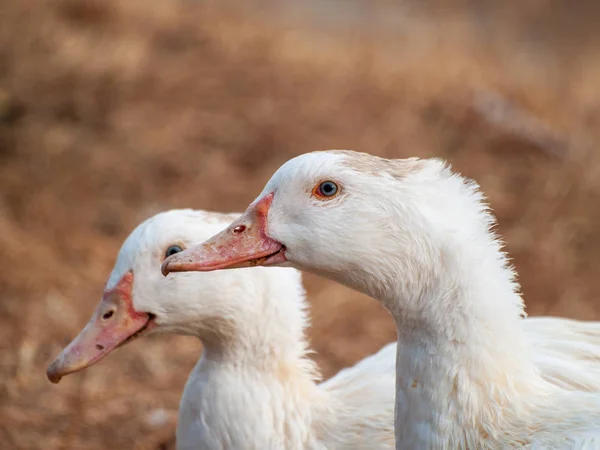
107,315
239,229
99,347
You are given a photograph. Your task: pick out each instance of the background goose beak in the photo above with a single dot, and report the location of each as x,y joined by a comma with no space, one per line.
113,323
243,244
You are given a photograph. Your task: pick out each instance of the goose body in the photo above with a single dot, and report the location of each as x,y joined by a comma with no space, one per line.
417,237
254,387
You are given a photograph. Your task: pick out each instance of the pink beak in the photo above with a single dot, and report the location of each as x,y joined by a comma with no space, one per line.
243,244
114,323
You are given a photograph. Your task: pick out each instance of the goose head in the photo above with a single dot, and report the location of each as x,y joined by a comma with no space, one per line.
329,213
138,300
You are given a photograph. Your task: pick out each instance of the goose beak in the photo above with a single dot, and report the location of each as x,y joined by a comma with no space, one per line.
243,244
114,323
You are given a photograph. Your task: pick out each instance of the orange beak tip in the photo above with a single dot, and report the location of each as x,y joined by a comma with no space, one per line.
54,378
169,267
164,268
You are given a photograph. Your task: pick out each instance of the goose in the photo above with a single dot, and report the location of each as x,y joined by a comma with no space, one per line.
418,237
255,387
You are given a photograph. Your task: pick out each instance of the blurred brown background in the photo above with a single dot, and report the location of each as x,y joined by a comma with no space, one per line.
112,111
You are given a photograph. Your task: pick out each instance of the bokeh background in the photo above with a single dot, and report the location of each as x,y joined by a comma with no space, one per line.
111,111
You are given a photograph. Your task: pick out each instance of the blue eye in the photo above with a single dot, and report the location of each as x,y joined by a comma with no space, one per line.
172,250
326,189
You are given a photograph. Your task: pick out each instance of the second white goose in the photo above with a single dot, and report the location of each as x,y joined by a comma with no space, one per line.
255,387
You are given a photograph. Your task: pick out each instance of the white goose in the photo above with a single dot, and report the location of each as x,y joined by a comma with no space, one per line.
418,238
255,387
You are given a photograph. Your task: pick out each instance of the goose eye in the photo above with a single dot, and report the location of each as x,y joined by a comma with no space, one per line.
172,250
326,189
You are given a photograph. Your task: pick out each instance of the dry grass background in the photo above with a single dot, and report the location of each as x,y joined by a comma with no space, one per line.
111,111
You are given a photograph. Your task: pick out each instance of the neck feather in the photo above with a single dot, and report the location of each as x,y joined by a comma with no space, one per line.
255,386
266,332
462,354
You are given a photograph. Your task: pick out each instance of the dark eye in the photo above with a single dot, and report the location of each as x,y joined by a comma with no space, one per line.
172,250
326,189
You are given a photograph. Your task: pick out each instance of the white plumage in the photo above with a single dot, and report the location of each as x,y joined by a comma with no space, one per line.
470,373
